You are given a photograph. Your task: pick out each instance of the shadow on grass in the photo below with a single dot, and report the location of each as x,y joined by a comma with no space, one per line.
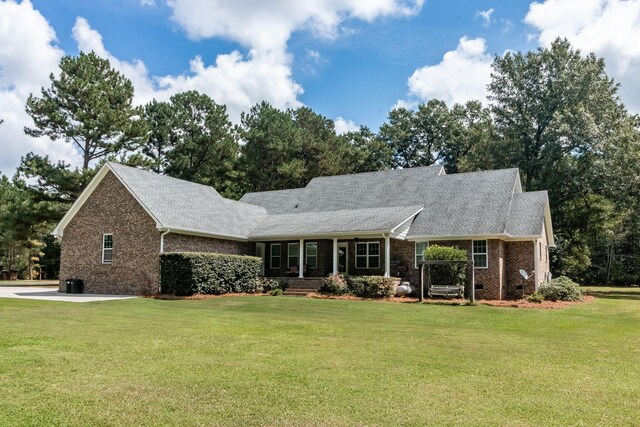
619,293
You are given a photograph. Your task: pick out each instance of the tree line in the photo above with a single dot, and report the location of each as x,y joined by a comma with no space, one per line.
554,113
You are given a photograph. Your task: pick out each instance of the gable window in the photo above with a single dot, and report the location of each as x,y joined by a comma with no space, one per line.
292,255
420,248
311,255
480,254
276,255
107,248
368,255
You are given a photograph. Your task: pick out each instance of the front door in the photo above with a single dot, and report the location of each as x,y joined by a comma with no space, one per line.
343,257
260,253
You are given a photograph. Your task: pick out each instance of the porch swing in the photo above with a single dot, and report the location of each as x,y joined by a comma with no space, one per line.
446,290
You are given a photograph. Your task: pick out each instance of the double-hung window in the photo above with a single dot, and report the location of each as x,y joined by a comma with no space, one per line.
292,255
368,255
420,248
311,255
480,254
107,248
276,255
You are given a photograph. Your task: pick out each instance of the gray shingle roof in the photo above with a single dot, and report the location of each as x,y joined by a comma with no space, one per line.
184,205
526,216
276,201
328,222
465,204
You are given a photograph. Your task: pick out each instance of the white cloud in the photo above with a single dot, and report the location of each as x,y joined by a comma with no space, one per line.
28,55
462,75
267,25
234,80
485,15
343,125
610,28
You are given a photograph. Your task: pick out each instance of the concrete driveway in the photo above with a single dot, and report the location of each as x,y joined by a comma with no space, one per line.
51,294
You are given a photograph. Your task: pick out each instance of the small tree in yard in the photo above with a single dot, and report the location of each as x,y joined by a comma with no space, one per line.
453,274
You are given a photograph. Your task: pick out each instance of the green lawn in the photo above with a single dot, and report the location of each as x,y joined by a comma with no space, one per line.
295,361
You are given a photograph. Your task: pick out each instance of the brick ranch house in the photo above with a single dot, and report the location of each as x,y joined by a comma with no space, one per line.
375,223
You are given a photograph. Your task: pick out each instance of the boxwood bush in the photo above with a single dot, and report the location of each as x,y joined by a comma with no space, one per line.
371,286
560,289
189,273
453,274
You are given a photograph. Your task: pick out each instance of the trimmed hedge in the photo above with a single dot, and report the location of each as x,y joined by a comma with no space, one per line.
560,289
447,274
188,273
371,286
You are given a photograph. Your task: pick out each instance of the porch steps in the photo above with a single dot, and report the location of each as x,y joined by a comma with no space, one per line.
302,286
298,292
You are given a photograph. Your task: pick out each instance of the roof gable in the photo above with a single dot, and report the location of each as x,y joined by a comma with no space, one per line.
177,205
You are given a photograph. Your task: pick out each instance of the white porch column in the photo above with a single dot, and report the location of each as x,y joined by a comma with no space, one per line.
387,256
301,259
335,255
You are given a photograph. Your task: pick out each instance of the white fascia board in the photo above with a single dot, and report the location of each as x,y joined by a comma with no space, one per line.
342,234
502,236
408,219
200,233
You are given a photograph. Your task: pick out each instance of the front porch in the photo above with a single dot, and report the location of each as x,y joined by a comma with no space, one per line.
369,255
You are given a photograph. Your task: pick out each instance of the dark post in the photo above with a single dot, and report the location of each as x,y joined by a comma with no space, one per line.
421,282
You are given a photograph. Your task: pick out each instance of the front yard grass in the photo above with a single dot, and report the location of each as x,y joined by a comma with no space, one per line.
298,361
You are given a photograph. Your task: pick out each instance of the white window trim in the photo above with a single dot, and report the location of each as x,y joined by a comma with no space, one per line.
307,256
415,251
474,253
103,248
271,256
296,265
366,256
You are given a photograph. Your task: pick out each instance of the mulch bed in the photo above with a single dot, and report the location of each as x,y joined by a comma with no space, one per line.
545,305
171,297
548,305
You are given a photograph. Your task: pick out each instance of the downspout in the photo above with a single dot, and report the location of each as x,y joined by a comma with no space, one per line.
164,233
536,255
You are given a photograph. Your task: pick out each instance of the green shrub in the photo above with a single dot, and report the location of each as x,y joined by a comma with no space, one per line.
266,284
276,292
334,284
535,297
190,273
560,289
453,274
371,286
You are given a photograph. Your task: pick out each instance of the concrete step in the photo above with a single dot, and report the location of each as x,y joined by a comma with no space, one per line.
298,291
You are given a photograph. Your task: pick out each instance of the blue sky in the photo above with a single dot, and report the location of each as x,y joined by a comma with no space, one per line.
350,60
360,74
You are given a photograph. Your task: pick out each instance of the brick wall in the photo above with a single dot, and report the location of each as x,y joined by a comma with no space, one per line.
543,259
519,255
136,243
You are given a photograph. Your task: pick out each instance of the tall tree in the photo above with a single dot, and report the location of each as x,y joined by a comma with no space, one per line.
435,133
286,149
556,111
204,148
89,105
367,152
159,119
